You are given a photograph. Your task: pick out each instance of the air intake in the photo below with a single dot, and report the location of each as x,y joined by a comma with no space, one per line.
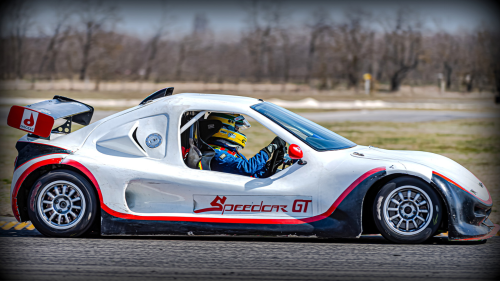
158,94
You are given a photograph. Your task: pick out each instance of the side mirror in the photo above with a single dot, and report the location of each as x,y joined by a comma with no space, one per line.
295,152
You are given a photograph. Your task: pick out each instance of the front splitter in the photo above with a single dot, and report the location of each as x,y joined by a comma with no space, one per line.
490,234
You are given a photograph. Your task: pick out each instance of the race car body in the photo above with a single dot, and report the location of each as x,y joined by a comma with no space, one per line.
128,174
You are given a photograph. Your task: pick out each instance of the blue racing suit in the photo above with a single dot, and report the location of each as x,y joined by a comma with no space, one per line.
229,160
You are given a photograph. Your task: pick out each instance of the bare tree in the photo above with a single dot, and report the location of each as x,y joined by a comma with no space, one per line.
403,46
319,26
194,50
59,33
19,21
269,38
5,64
154,43
446,53
486,58
471,64
107,51
153,49
202,46
286,49
182,55
257,37
494,57
353,38
94,17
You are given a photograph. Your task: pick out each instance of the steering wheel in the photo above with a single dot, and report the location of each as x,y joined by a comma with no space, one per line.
276,160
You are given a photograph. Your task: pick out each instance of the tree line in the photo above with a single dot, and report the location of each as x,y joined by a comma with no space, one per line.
324,52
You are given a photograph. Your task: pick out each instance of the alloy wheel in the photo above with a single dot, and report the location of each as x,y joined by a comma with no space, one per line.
61,204
408,210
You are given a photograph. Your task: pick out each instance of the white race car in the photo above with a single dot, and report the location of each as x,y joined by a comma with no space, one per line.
127,175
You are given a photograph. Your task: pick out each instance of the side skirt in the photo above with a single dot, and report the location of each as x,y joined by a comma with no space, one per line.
111,225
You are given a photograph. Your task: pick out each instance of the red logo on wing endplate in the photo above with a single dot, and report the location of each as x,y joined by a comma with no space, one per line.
30,120
218,204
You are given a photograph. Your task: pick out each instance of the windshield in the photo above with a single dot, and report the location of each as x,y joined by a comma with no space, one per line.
309,132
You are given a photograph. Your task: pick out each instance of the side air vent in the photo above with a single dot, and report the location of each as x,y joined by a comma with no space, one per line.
121,139
158,94
134,136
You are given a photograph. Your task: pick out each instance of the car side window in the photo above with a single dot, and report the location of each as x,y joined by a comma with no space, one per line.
206,138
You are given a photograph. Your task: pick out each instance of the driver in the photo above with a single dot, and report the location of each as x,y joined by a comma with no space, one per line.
228,141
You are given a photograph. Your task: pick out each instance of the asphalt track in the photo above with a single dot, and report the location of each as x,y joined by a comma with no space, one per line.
26,255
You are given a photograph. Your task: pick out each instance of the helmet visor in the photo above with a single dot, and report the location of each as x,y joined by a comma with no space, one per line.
242,123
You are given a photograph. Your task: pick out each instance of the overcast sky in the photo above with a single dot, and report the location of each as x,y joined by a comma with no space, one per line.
227,17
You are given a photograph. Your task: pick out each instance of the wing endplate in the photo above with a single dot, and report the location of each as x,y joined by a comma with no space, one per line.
31,121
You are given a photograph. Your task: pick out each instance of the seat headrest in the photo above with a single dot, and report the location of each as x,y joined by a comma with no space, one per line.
208,128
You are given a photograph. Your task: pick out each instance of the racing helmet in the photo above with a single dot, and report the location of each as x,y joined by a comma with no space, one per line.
229,133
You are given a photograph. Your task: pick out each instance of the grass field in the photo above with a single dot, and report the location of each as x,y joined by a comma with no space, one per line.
472,143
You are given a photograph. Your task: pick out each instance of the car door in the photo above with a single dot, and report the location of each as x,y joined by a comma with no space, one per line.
236,196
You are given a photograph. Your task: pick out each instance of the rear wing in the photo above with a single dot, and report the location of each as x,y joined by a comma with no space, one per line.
38,118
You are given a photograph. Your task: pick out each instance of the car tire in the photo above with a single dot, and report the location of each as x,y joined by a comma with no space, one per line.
407,210
63,203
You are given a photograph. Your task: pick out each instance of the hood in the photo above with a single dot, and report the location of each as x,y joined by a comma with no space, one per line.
438,163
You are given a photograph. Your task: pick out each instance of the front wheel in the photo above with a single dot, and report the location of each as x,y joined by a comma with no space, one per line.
62,203
407,210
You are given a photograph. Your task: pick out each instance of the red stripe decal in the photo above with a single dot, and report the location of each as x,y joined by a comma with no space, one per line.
488,202
23,176
220,220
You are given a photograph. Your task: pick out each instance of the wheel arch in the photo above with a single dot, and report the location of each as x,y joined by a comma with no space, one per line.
368,223
29,181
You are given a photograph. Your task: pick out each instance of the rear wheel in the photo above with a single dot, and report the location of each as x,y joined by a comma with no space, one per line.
407,210
62,203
